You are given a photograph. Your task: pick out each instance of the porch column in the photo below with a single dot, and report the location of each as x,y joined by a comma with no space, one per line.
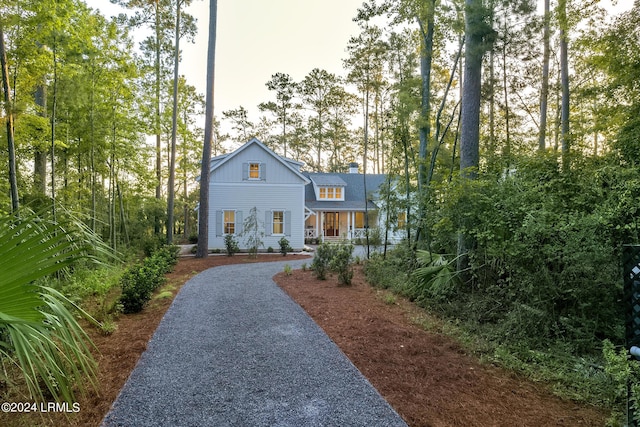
349,232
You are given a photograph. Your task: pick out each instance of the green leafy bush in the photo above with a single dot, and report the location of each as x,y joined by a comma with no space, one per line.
321,259
341,263
333,257
391,272
285,247
139,281
231,244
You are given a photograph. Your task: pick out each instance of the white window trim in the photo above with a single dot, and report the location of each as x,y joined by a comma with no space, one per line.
224,223
259,171
273,223
333,191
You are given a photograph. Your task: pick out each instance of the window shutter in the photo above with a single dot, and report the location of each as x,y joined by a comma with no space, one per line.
263,171
238,223
287,223
245,171
218,223
268,223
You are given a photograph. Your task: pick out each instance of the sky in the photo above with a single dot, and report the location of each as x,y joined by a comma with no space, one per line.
258,38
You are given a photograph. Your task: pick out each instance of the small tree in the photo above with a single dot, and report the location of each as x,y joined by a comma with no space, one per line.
341,263
253,232
285,247
231,244
321,259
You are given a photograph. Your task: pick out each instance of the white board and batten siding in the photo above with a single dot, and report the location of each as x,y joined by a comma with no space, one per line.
280,187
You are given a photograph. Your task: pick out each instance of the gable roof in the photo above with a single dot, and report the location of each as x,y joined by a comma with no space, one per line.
353,190
218,161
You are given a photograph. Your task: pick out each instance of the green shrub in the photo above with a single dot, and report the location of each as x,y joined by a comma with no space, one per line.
334,257
137,286
139,281
341,263
193,239
624,373
393,271
321,259
287,270
375,238
270,250
231,244
285,247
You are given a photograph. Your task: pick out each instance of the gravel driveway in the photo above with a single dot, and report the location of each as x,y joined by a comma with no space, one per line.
234,350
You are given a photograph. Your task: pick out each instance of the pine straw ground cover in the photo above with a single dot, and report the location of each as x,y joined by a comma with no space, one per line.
425,376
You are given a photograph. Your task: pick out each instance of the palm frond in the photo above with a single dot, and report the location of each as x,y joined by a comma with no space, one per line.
42,337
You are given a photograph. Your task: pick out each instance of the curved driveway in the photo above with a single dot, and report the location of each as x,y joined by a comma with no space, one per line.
234,350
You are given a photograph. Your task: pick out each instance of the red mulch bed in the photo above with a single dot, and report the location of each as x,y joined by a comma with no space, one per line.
426,376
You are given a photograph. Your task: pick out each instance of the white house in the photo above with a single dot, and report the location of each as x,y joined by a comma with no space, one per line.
254,176
289,203
338,205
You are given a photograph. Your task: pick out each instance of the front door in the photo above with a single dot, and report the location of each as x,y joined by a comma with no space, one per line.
331,224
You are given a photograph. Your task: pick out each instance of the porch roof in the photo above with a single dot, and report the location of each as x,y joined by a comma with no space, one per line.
339,206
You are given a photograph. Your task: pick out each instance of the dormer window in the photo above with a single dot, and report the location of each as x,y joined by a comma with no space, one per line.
330,193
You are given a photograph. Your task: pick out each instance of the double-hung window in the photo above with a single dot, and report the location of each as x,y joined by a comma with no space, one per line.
229,222
278,222
254,171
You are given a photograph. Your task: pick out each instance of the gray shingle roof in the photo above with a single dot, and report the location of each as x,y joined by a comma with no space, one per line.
328,179
353,193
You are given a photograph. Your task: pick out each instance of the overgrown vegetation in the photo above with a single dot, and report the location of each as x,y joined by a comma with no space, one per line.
544,284
139,281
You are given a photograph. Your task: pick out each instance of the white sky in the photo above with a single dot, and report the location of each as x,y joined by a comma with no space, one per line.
257,38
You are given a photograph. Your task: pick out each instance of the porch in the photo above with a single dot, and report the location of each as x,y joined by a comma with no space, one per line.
338,225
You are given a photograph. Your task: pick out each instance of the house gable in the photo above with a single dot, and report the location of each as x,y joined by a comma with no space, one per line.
253,180
256,163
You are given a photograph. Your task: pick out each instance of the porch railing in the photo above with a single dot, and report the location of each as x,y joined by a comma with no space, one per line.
356,233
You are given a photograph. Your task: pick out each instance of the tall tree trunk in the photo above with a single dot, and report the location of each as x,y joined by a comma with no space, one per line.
426,57
157,117
364,164
203,217
470,109
8,108
564,80
53,130
506,153
40,156
92,153
544,92
174,130
112,185
491,148
185,188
